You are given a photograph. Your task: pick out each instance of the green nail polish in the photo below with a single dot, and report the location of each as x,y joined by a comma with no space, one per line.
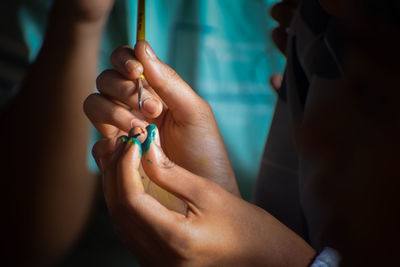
122,139
133,141
151,135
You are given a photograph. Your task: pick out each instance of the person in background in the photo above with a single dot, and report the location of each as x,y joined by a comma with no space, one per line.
50,53
328,180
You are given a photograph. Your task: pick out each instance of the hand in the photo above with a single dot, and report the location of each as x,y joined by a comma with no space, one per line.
283,12
219,228
189,133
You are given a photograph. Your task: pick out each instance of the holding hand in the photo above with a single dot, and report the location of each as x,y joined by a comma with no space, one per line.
218,229
188,131
283,12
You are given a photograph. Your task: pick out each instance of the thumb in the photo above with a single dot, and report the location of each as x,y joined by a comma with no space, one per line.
177,94
171,177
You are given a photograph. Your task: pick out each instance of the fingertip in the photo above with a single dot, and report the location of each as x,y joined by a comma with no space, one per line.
168,85
152,136
152,108
124,60
101,152
118,146
133,151
144,50
133,68
139,133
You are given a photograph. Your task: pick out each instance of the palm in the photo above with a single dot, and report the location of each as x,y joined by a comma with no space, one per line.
197,147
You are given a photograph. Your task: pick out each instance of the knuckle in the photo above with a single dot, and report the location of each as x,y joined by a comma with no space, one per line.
113,113
171,74
115,54
182,243
203,111
166,163
102,76
119,53
210,192
125,89
206,106
88,103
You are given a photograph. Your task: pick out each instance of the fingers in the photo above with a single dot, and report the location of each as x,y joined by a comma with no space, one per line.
166,174
102,152
130,183
108,117
178,96
109,183
276,82
132,198
124,61
115,86
283,13
280,38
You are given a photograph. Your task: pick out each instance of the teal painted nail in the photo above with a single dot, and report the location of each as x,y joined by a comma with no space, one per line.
133,141
151,135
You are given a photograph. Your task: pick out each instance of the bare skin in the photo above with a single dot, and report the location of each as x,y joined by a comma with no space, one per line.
47,119
189,133
219,228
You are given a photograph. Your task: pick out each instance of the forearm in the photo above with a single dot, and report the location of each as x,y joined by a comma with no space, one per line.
46,121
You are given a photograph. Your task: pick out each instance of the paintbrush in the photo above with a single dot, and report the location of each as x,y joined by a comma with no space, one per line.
141,35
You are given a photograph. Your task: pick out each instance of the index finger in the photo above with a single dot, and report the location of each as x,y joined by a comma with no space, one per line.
181,100
124,61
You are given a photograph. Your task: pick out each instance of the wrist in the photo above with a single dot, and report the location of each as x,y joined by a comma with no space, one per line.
67,16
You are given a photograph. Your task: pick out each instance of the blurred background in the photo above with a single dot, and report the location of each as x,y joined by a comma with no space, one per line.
221,48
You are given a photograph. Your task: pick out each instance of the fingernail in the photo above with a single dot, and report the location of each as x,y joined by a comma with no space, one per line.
139,133
133,141
151,137
150,53
150,105
122,139
130,66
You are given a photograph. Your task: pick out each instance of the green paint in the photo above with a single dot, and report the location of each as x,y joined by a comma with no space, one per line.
151,134
122,139
133,141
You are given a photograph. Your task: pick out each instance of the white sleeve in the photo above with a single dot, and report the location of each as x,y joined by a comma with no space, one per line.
329,257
